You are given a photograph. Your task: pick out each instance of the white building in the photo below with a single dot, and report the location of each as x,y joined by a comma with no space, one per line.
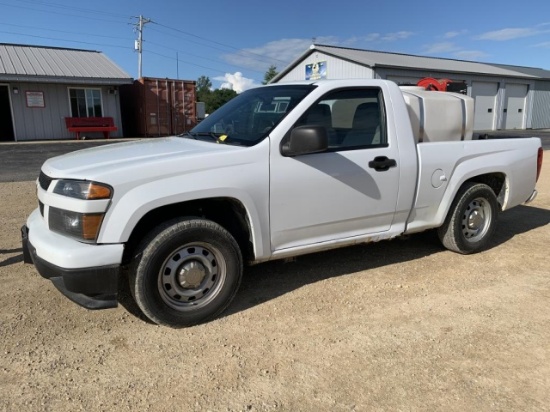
506,97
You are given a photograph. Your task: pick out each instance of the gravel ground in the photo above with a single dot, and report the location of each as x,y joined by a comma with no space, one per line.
399,325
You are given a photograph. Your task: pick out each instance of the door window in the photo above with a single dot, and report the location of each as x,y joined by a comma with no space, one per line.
354,119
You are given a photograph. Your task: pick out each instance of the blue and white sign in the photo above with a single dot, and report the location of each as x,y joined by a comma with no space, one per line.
316,71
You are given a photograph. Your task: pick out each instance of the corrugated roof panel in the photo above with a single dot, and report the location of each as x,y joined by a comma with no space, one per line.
36,60
51,66
50,62
67,61
5,61
19,61
374,58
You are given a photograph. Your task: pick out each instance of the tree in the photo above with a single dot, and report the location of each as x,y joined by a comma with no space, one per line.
203,83
212,99
218,98
270,74
203,88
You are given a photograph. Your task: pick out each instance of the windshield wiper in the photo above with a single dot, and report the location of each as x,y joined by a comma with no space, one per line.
217,137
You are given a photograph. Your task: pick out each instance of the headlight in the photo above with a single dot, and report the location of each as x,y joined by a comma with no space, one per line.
83,189
82,226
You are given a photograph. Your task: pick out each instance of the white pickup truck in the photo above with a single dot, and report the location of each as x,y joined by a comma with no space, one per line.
278,171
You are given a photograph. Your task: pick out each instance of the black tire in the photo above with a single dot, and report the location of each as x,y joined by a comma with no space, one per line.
471,220
186,272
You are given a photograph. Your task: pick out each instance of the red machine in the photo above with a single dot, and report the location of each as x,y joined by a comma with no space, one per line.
443,85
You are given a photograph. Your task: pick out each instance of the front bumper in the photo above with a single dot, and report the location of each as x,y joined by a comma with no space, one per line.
92,287
532,197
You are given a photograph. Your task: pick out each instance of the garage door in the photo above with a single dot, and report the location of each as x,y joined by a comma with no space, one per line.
514,106
485,95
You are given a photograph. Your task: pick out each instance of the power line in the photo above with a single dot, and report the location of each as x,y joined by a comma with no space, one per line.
59,13
77,9
200,57
41,6
183,61
260,56
65,40
62,31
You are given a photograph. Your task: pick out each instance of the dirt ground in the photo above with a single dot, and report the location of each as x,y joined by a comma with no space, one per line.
401,325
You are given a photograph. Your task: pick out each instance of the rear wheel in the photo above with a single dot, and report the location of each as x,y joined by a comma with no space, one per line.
471,221
187,272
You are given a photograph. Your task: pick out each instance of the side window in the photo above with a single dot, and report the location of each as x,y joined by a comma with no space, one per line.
354,118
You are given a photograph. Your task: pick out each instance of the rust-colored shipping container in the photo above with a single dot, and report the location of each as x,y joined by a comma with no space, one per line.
158,107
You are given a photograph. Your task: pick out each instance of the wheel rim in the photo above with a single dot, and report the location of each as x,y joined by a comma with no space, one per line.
191,276
476,219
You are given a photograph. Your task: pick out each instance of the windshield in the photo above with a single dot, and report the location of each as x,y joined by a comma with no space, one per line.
248,118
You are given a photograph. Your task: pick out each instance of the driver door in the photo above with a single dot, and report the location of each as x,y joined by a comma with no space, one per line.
341,193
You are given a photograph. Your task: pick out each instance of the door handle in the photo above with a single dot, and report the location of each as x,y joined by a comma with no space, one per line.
382,163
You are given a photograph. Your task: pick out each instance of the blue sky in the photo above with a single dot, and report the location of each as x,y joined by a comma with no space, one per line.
233,43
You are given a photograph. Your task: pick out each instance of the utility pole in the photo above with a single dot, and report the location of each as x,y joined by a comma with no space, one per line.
139,42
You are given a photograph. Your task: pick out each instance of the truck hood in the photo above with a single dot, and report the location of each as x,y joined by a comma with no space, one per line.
94,162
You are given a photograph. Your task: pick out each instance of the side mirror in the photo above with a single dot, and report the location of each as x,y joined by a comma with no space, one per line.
305,140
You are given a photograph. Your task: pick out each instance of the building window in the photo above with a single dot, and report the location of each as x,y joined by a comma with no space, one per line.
85,102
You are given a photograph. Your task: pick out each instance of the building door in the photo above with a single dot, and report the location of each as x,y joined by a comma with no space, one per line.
6,123
514,106
485,95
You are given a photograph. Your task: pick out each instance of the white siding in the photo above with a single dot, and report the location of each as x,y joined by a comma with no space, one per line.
541,106
406,80
336,69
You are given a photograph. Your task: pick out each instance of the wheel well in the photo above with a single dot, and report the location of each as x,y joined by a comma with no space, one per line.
496,181
227,212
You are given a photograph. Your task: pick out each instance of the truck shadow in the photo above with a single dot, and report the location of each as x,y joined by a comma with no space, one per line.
267,281
519,220
270,280
11,260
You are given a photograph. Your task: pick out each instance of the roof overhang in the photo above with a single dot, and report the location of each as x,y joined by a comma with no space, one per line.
456,72
65,80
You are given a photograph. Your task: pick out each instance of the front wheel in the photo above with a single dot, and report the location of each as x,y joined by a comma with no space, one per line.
186,272
471,221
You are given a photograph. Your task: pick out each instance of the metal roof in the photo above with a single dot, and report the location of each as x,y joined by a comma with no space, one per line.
374,59
58,65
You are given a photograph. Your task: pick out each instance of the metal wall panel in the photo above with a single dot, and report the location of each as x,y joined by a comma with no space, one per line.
336,68
541,106
403,80
410,74
48,122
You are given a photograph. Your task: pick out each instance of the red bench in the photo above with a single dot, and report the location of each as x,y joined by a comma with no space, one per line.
90,124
